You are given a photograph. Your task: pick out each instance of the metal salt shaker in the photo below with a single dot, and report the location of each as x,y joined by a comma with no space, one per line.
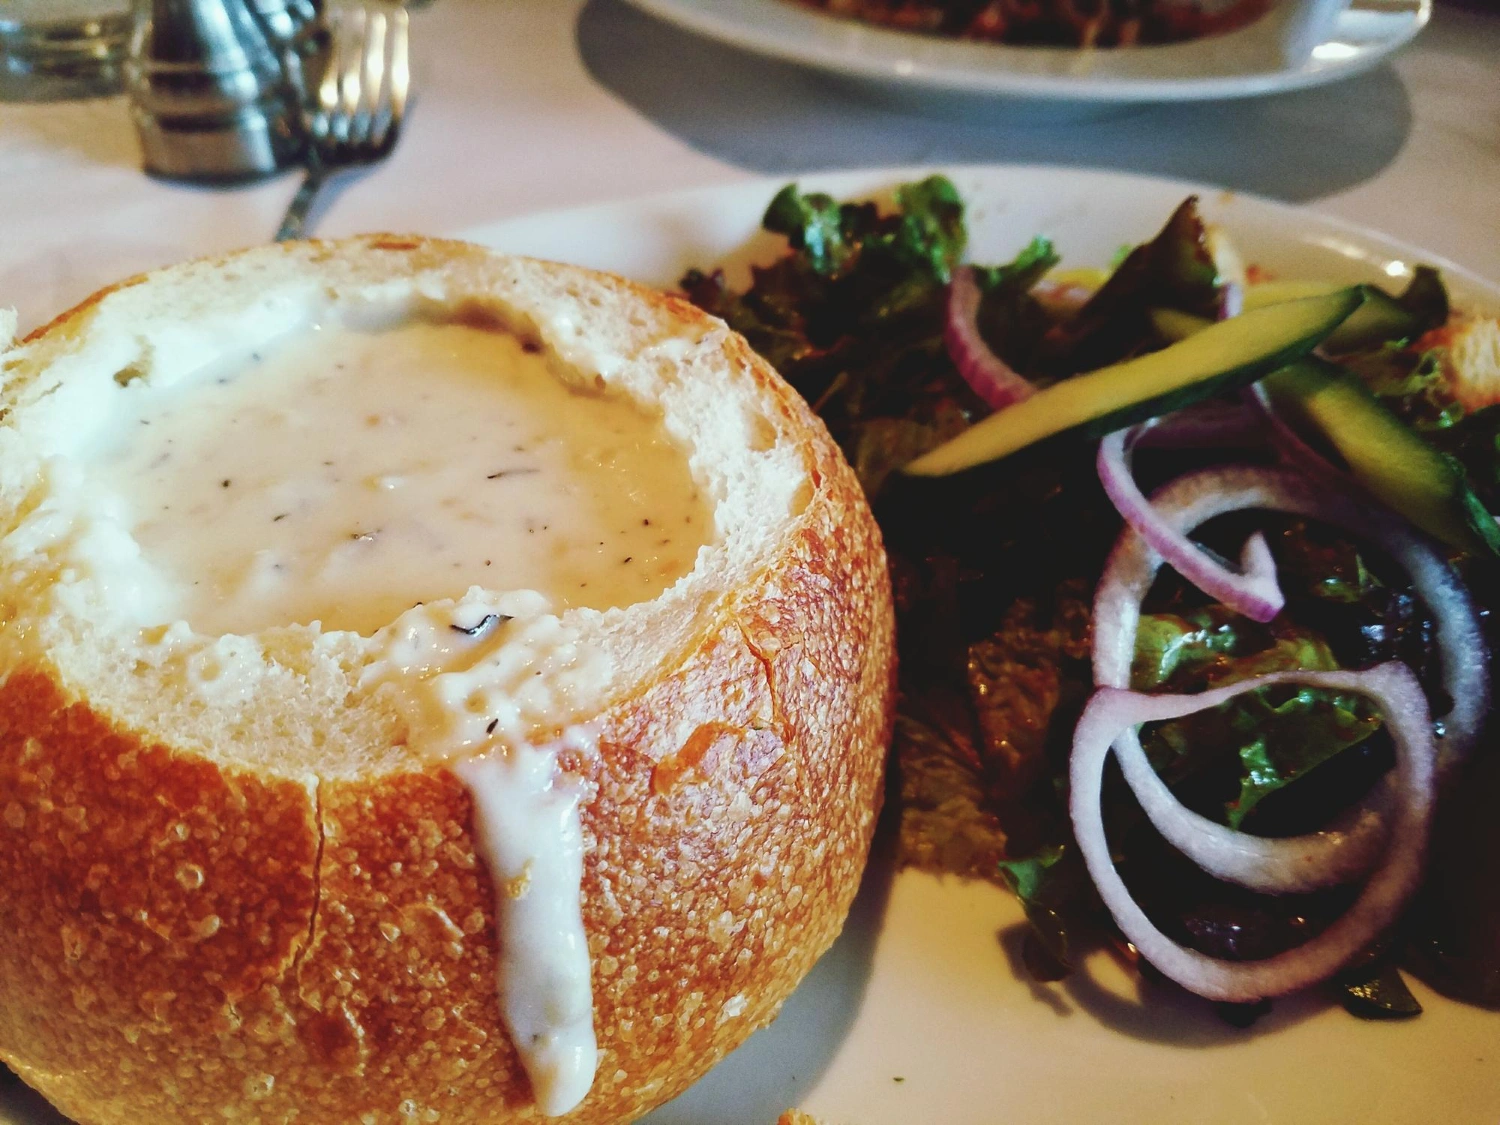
214,85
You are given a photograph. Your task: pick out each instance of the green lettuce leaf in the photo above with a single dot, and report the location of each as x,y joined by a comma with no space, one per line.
1280,742
932,234
1060,902
1277,735
813,224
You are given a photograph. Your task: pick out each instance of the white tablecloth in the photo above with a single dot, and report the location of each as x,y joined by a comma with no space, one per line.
532,104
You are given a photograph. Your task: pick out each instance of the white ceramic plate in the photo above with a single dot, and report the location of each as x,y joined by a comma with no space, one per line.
1300,43
918,1015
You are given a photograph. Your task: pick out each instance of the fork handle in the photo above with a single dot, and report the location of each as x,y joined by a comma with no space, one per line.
294,222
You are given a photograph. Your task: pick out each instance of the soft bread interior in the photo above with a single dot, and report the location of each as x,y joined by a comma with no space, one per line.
80,601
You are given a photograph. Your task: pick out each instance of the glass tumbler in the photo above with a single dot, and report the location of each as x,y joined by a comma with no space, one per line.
52,49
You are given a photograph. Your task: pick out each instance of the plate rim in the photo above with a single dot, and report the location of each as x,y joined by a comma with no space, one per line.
842,181
887,66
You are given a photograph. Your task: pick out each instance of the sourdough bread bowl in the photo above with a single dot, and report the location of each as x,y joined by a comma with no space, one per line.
272,875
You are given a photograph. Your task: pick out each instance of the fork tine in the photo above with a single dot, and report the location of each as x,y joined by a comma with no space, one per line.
351,65
356,114
392,107
372,79
400,67
328,87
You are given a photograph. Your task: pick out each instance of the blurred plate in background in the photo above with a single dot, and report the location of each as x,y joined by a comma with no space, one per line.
1252,61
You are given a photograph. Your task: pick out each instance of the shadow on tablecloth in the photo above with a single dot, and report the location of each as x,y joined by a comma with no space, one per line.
778,119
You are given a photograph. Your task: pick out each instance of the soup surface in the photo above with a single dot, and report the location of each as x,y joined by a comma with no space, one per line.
345,475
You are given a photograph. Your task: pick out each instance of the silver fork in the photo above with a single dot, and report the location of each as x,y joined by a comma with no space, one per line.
356,116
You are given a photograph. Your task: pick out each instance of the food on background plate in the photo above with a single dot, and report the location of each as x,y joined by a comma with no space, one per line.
1060,23
1194,569
436,686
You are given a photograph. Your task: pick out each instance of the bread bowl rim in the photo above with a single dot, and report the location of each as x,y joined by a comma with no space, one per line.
673,617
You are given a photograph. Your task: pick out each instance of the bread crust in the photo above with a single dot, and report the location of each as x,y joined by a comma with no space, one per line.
186,941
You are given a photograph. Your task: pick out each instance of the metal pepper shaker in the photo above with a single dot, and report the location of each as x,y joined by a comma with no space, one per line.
215,85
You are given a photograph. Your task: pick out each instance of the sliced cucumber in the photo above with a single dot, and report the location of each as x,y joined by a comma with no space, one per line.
1227,354
1264,293
1384,454
1174,324
1382,319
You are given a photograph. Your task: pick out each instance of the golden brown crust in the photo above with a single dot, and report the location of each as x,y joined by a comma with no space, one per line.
77,311
350,975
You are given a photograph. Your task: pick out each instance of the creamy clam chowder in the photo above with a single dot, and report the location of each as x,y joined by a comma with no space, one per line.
345,475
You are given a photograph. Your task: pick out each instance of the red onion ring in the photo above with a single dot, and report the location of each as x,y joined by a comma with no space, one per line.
1395,690
1253,592
1349,845
1213,424
991,378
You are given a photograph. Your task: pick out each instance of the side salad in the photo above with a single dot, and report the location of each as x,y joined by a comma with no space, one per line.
1194,571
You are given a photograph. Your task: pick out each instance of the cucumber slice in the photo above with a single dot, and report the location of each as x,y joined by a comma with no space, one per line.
1174,324
1380,320
1227,354
1264,293
1384,454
